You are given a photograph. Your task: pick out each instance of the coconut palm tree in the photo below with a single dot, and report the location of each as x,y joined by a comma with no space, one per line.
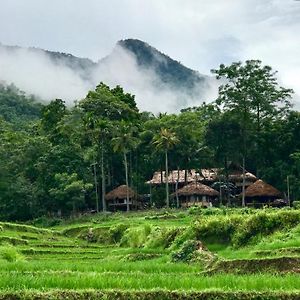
165,140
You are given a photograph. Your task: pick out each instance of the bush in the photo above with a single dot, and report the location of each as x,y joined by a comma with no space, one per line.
10,253
263,223
194,251
217,228
296,204
184,235
162,238
135,237
116,232
186,253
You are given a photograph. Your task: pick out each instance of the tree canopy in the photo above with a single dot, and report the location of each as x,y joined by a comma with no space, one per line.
59,159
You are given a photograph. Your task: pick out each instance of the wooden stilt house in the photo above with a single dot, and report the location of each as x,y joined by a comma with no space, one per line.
261,193
117,199
196,194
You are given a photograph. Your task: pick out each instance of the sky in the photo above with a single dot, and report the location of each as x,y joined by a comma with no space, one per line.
201,34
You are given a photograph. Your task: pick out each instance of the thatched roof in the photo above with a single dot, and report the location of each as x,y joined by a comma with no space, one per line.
204,175
174,176
237,176
261,189
210,174
198,189
121,193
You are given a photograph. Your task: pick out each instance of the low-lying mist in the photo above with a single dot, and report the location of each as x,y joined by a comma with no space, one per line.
36,72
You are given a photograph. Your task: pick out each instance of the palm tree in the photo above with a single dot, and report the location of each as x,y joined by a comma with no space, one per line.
123,142
99,129
104,128
165,140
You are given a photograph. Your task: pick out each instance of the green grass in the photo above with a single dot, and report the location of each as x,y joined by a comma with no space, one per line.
63,257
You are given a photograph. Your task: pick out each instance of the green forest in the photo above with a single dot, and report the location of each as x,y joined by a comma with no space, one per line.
53,156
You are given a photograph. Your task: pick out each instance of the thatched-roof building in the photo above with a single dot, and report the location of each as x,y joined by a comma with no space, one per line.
196,194
180,176
205,176
117,199
235,175
261,192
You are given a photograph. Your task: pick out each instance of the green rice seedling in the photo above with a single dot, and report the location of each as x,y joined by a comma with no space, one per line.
144,281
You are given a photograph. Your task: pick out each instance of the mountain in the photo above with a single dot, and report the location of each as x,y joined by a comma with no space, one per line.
159,82
168,70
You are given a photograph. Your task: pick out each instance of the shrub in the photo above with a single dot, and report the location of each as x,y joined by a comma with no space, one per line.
116,232
186,252
135,237
296,204
217,228
162,238
194,251
184,235
101,235
10,253
263,223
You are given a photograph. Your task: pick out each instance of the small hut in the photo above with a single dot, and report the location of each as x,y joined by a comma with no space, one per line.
196,194
260,193
117,199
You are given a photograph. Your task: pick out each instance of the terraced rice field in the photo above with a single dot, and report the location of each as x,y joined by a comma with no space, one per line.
140,257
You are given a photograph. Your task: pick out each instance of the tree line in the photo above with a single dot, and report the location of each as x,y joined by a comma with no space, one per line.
63,160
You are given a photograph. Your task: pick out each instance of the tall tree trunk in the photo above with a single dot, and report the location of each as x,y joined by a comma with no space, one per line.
96,185
126,177
244,179
227,180
176,189
103,177
167,179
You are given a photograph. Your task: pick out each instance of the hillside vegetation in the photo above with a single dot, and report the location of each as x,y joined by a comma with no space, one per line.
16,108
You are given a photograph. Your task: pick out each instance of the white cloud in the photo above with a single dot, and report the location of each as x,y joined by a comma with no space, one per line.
199,33
35,73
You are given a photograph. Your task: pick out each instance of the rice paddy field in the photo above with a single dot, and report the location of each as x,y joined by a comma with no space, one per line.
194,254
